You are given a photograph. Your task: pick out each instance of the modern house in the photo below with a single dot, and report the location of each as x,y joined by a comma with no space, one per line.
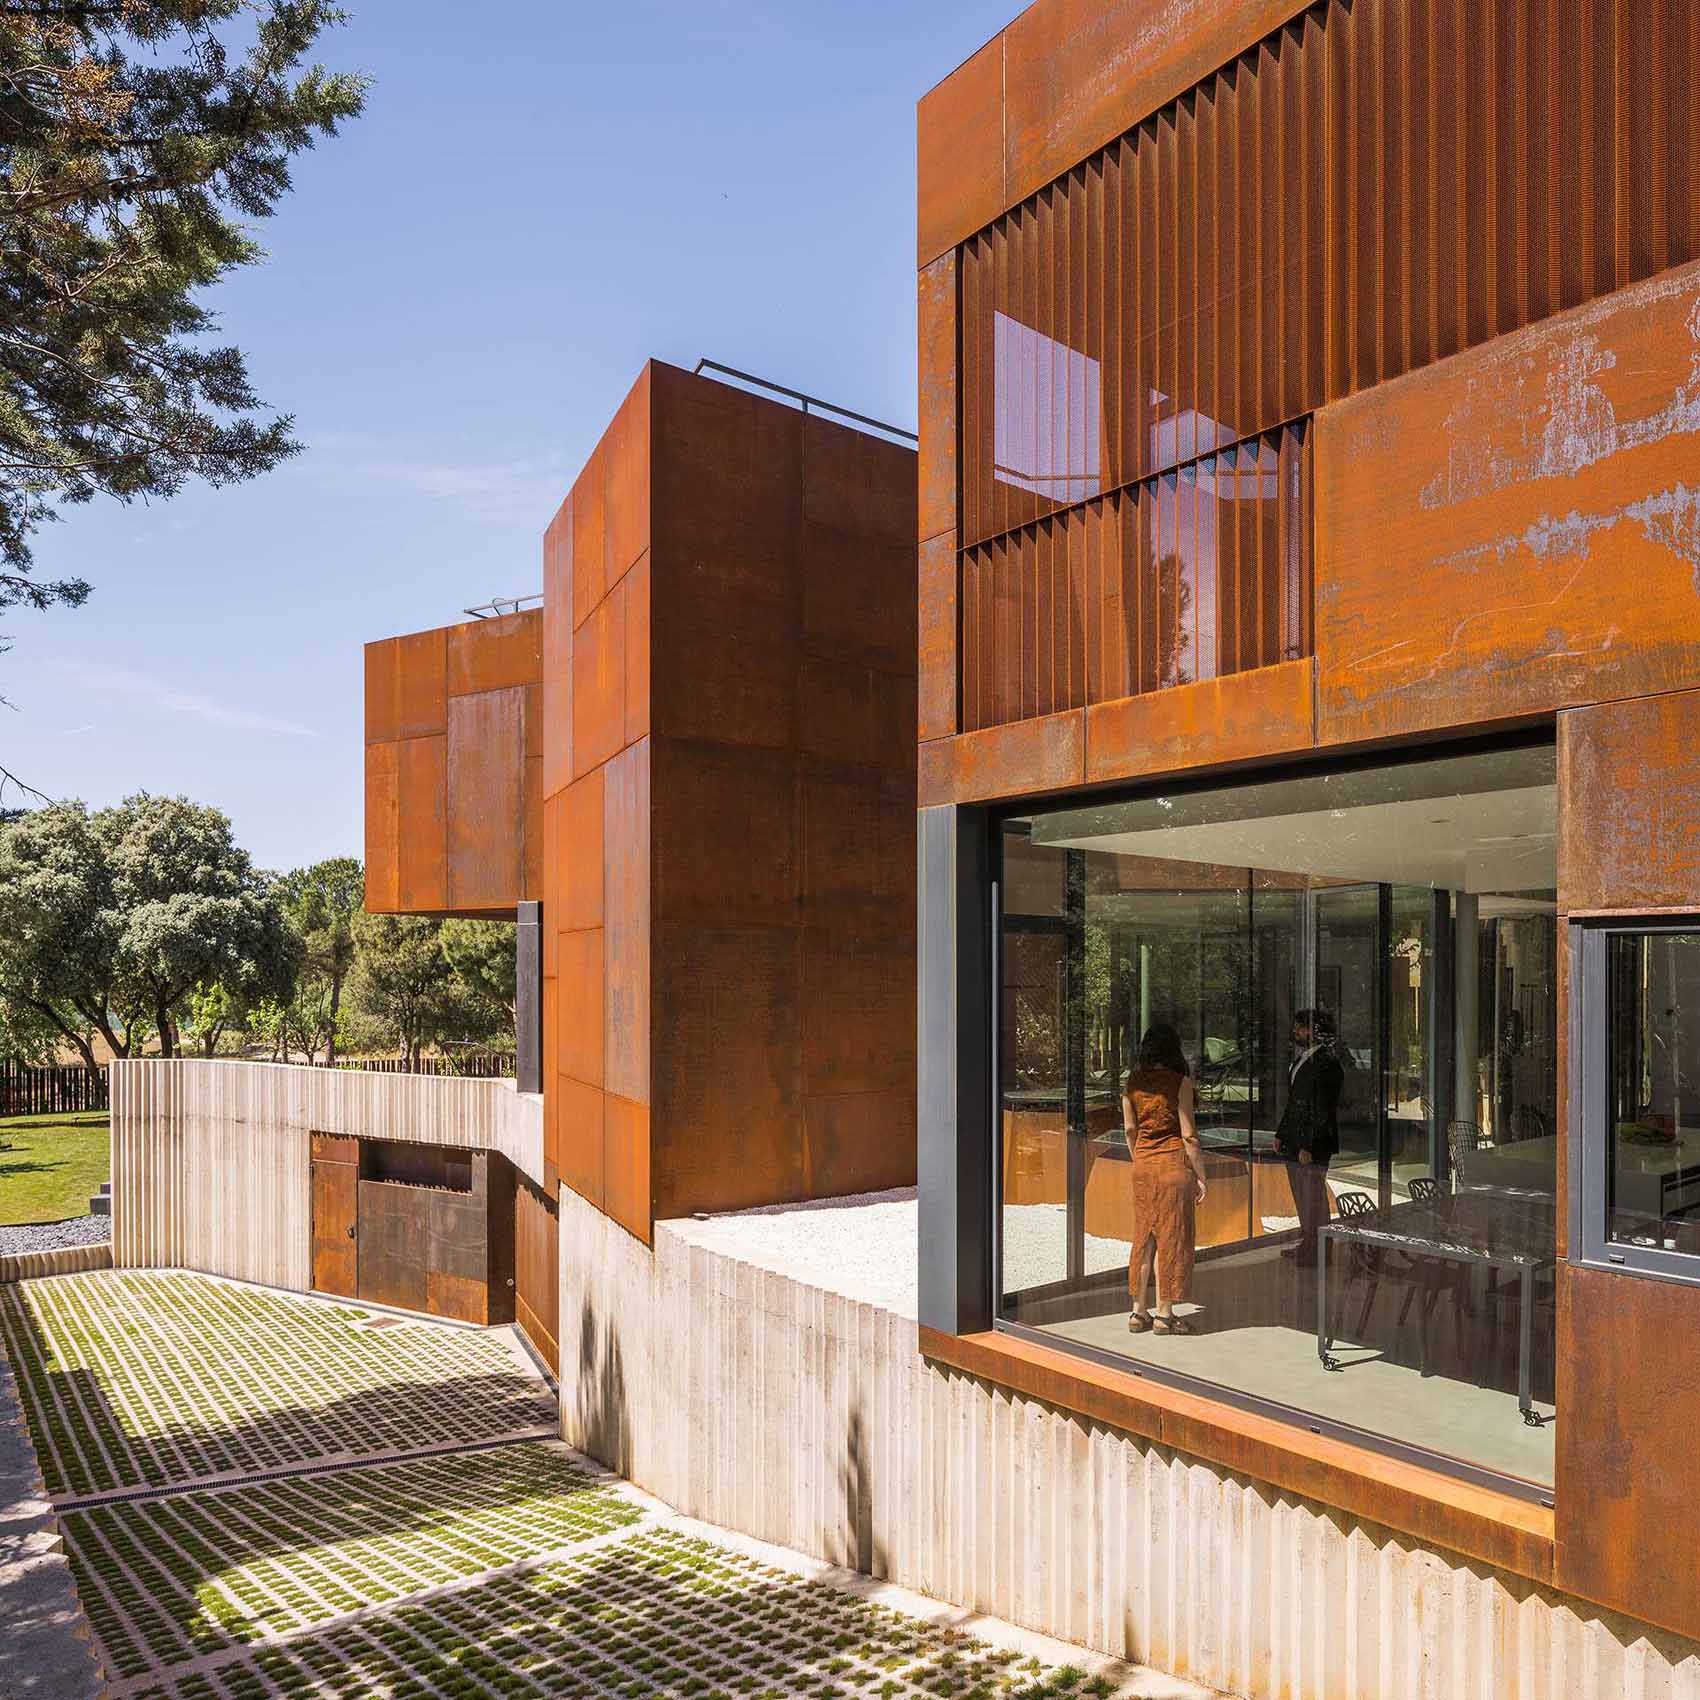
1310,622
691,775
1305,538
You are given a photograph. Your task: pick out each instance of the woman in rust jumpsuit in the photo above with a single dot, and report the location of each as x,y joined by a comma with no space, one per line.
1168,1179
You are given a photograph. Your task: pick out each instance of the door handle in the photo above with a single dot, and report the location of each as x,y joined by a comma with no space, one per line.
351,1233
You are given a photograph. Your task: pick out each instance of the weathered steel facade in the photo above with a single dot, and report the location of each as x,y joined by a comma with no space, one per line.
699,756
728,888
1406,297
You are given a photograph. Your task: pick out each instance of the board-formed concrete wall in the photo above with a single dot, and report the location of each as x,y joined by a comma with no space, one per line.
804,1417
210,1160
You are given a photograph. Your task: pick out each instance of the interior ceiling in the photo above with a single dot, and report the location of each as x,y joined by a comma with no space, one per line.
1481,841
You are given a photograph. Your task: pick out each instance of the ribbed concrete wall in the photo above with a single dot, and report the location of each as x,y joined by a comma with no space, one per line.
807,1418
62,1260
210,1159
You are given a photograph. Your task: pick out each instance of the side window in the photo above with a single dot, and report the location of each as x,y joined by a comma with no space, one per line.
1640,1034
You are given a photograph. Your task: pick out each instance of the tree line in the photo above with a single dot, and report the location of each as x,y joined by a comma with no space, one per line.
146,927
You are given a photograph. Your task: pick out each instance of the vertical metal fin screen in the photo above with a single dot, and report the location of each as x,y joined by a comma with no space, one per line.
1376,186
1191,573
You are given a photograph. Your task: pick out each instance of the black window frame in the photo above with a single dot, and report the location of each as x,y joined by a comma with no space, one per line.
1590,1155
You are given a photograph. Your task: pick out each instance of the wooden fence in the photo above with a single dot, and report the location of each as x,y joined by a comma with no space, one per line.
495,1065
49,1091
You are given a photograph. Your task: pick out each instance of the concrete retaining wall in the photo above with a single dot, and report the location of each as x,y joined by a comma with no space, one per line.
804,1417
64,1260
210,1159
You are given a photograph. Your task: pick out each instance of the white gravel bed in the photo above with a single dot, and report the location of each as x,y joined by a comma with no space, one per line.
865,1247
862,1247
54,1236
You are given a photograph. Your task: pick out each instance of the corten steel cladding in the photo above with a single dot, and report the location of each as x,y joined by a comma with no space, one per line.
454,768
1370,188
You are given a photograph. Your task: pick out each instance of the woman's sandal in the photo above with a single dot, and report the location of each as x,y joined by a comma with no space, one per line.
1171,1325
1136,1323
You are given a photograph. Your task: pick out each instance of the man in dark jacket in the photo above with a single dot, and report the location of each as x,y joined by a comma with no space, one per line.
1309,1132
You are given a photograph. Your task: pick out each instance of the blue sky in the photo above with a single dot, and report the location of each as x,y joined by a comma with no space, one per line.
460,290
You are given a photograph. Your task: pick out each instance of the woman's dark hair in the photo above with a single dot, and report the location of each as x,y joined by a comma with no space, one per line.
1161,1048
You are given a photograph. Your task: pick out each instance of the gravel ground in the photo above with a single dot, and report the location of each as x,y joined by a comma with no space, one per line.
54,1236
865,1247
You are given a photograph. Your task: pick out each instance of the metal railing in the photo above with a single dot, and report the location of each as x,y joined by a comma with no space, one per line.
809,402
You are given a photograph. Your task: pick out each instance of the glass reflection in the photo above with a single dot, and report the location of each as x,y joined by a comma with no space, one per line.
1653,1069
1047,419
1358,973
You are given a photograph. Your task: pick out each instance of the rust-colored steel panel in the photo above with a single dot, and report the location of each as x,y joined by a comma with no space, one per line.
1477,523
394,1236
422,831
725,837
558,652
1024,758
599,683
725,850
937,717
858,598
1270,711
726,669
852,714
1079,72
1629,804
936,454
625,450
626,866
382,715
589,574
491,655
858,839
460,1236
626,1164
486,800
422,684
463,1298
727,494
334,1148
727,1096
636,588
1628,1471
959,153
537,1271
383,828
858,483
862,1142
579,991
579,1117
858,1013
577,868
531,813
335,1219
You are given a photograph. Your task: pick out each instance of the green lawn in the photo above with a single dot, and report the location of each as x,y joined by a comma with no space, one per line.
56,1164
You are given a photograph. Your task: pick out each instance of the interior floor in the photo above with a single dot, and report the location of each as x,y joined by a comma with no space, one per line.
1255,1316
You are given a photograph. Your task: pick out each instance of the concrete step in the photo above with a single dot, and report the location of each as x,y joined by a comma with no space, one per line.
106,1189
100,1204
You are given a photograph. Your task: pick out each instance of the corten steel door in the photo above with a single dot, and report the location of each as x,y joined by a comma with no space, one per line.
336,1174
537,1272
395,1232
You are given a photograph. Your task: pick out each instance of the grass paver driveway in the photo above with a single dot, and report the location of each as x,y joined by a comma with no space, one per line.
472,1566
140,1379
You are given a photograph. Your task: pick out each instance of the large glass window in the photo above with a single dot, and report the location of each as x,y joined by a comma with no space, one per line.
1355,973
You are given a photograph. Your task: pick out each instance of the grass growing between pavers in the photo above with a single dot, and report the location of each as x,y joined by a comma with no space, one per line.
55,1166
171,1580
134,1380
656,1614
